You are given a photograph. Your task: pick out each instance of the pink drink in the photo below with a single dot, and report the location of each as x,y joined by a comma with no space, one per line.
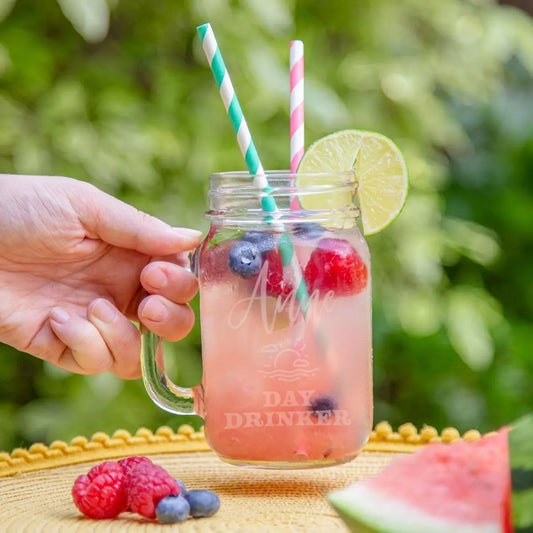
287,366
282,389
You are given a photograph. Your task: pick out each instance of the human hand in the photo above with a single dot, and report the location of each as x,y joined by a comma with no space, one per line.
77,266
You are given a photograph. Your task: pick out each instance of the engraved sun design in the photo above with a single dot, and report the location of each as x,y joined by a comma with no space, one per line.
286,364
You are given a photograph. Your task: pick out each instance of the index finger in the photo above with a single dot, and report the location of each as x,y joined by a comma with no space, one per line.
122,225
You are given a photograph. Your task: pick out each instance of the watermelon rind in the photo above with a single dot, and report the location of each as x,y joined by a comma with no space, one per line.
521,462
367,510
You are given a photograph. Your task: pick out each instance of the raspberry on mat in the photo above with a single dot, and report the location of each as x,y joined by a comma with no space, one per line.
101,492
130,462
146,485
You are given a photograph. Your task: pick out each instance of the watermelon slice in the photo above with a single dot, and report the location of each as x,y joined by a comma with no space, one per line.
462,487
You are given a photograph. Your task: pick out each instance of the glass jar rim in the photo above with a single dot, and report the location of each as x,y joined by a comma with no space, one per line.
338,176
279,181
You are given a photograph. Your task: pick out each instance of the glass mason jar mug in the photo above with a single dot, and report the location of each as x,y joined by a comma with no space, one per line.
285,315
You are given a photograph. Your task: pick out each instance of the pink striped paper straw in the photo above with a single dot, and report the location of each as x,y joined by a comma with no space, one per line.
296,107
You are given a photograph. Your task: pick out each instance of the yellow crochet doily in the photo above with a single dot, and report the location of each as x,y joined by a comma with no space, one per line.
35,483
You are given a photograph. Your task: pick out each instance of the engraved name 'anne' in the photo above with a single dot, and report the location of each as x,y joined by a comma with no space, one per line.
241,310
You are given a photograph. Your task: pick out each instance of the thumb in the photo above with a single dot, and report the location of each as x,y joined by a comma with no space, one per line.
120,224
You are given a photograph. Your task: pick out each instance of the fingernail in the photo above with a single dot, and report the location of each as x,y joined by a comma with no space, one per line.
157,279
104,311
59,315
155,311
188,232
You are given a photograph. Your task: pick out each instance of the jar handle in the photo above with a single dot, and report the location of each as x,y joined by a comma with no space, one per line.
160,388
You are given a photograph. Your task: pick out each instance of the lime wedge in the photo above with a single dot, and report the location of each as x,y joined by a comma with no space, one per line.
379,167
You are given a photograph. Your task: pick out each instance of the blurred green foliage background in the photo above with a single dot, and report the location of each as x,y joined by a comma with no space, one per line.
118,93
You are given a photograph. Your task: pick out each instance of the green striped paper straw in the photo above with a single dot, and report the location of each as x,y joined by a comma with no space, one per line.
249,152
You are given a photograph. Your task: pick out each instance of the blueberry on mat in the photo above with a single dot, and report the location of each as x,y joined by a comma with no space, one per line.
172,509
182,486
203,503
245,259
323,406
308,230
263,240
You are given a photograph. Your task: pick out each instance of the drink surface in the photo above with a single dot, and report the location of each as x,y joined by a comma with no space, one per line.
282,386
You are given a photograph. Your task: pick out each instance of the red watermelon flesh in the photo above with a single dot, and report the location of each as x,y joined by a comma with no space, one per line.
463,487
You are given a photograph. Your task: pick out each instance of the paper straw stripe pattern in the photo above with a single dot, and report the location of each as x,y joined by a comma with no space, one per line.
249,152
229,98
296,55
